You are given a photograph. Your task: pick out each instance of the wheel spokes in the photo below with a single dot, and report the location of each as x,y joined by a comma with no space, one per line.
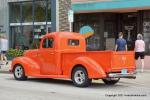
18,71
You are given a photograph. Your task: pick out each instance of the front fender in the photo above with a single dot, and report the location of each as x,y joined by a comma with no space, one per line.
93,68
31,67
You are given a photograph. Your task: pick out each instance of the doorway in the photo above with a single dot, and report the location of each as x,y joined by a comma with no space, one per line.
129,28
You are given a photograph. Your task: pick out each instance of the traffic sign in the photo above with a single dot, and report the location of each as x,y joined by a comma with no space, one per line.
70,16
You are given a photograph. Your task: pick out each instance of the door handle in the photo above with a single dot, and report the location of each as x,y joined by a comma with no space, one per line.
51,53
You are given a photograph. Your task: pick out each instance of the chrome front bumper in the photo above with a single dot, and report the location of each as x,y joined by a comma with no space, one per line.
119,75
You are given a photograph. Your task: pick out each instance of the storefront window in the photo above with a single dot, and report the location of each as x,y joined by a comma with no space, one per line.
39,32
15,12
21,40
27,35
27,12
40,11
24,33
15,32
146,32
49,11
26,39
93,42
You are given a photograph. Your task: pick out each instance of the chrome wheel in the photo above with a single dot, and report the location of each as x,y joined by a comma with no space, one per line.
18,71
79,77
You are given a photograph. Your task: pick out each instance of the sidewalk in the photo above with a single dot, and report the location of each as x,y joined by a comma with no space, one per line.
146,61
6,68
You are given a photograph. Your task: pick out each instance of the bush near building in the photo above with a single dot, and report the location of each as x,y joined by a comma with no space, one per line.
12,53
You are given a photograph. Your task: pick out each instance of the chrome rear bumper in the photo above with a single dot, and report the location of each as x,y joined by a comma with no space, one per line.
119,75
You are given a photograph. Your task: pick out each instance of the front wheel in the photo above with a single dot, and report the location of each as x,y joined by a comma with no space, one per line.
111,81
80,77
19,73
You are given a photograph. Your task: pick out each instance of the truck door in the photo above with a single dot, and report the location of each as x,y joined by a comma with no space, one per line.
47,57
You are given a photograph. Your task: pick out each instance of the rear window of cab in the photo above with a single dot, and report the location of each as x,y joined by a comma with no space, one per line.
73,42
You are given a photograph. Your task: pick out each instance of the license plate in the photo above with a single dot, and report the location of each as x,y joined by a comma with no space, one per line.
124,71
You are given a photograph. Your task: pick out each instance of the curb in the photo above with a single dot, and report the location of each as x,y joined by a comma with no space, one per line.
5,72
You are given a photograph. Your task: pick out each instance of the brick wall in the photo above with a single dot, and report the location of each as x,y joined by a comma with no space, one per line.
64,6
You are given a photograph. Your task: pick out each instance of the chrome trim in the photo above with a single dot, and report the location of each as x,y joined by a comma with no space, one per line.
119,75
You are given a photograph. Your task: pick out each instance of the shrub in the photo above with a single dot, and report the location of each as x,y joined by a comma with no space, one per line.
14,52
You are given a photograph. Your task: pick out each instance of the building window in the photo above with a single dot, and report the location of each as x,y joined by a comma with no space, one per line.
27,12
22,39
49,11
15,12
27,37
29,21
146,30
15,32
40,11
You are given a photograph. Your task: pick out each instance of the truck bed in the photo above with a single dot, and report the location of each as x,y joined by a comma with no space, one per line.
110,61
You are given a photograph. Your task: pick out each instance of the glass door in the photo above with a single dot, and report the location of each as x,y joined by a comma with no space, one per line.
130,28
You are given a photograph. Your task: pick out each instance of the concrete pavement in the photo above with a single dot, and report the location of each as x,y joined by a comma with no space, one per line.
146,61
5,68
56,89
53,89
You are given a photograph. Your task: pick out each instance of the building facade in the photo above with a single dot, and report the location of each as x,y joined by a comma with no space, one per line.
109,17
26,21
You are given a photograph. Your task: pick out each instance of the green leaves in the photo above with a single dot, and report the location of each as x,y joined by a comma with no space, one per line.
15,52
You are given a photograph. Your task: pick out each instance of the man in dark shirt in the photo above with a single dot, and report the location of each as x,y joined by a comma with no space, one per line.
121,44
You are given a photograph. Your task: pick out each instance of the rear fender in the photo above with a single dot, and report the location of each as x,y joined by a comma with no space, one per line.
93,68
31,67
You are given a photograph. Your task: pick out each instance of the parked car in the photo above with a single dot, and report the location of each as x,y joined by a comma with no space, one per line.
64,55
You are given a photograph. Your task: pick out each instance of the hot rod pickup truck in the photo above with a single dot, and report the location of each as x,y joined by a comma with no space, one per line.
63,55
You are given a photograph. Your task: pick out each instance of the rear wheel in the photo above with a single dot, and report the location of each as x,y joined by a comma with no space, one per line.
111,81
80,77
19,73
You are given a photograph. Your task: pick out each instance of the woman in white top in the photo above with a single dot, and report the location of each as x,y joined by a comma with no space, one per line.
140,50
4,48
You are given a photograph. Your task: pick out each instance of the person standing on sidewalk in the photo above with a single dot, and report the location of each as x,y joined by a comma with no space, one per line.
121,44
4,48
140,50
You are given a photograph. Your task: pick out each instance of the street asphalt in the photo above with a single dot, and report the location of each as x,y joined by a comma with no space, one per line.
56,89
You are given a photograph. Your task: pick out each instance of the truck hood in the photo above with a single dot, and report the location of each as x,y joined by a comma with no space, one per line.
30,52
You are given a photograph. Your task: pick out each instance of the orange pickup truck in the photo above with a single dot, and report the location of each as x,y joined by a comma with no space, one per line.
64,55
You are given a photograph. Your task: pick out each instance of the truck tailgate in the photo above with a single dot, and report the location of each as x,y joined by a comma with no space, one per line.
123,60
